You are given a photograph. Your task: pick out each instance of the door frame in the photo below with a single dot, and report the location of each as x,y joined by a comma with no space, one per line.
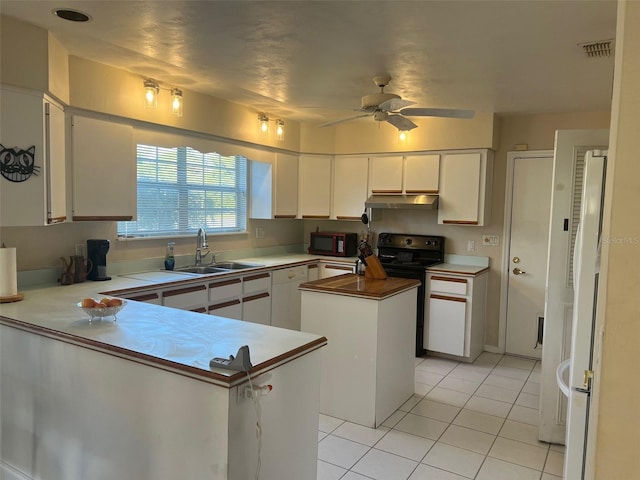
506,238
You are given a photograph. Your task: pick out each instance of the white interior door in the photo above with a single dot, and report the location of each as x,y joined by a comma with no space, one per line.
529,239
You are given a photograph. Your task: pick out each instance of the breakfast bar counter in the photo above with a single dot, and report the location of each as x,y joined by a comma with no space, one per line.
367,369
136,398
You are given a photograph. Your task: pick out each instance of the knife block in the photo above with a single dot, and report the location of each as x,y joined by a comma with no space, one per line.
374,268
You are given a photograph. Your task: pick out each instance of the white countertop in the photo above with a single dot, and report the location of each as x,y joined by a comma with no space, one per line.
457,268
168,338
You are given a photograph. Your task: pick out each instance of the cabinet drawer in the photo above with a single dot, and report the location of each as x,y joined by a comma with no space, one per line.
290,274
152,297
225,289
185,298
256,283
455,286
230,309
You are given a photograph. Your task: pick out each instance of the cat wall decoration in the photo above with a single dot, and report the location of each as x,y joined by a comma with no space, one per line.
16,164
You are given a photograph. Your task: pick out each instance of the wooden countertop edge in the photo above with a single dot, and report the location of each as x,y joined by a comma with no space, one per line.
458,272
310,287
226,381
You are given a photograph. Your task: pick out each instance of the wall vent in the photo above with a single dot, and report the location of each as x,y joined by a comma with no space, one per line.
601,48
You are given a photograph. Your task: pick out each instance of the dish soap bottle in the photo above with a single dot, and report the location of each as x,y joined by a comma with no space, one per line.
169,260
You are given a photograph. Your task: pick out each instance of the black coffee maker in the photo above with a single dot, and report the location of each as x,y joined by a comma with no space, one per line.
97,255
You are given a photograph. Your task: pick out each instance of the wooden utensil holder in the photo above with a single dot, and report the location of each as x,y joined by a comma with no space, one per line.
374,268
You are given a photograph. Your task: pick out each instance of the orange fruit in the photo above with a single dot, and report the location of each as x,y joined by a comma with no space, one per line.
88,303
114,302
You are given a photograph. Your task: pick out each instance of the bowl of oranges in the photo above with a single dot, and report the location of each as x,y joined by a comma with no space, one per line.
105,307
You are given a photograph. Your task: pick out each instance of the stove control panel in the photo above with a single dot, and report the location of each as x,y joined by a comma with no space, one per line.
417,242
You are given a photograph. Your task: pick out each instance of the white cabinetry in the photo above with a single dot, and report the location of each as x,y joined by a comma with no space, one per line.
349,187
385,175
104,170
286,186
455,314
315,186
313,272
32,187
152,297
192,298
465,188
225,298
332,269
274,188
421,174
285,296
256,298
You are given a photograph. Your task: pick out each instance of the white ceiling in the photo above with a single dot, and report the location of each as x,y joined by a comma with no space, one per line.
313,60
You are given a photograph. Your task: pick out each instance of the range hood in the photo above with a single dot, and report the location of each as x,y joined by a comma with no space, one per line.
413,202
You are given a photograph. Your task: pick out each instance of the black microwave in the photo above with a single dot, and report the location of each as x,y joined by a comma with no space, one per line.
335,244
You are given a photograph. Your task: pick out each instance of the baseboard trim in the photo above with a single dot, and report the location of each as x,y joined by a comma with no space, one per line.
492,349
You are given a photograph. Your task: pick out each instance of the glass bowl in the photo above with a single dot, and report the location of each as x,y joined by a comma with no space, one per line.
102,312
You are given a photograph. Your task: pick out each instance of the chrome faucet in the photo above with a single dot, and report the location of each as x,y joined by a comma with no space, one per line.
201,242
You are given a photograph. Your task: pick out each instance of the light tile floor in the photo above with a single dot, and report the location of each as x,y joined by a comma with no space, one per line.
466,421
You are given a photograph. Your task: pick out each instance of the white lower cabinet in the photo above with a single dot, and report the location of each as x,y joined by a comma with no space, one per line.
313,272
328,269
192,298
256,298
147,297
455,314
225,298
285,296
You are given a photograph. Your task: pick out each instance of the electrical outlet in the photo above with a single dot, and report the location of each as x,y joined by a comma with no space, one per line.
490,240
471,246
259,232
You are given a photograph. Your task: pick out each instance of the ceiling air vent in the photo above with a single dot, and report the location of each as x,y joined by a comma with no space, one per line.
602,48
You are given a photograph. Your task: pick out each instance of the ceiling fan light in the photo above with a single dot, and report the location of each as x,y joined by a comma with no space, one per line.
403,136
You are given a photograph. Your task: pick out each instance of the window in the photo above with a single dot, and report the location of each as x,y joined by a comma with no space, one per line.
181,189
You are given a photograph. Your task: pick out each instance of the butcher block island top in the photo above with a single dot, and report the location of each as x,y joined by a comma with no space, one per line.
354,285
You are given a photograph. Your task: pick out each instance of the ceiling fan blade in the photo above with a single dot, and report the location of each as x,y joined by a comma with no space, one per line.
394,104
437,112
336,122
401,123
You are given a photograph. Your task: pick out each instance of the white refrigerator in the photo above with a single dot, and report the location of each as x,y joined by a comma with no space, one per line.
579,442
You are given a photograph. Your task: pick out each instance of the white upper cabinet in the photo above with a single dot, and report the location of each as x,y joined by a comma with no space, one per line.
274,188
315,186
465,188
385,174
421,174
349,187
286,186
104,170
32,134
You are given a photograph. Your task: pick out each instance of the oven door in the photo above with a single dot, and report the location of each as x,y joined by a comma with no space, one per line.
419,275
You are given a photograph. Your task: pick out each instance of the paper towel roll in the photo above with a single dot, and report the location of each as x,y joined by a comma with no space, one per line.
8,272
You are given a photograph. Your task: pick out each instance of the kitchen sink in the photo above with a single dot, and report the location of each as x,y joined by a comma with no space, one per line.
217,267
202,269
235,265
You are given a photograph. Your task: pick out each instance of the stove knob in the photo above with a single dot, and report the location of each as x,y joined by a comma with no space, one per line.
428,242
408,241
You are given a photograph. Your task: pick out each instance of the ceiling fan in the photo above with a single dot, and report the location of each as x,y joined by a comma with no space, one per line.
391,108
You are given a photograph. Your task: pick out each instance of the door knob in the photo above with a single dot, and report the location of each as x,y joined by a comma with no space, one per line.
517,271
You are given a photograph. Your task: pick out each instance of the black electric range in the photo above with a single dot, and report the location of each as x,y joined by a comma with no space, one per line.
408,256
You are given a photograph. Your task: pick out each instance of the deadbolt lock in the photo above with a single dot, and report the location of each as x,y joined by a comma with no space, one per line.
516,260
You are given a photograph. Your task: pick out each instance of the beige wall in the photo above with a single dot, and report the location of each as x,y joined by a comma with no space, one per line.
24,54
618,439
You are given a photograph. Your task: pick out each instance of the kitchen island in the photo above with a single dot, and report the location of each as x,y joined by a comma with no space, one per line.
367,368
135,398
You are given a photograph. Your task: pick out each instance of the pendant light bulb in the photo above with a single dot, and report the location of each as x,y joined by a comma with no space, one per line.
151,94
176,102
403,136
264,122
280,129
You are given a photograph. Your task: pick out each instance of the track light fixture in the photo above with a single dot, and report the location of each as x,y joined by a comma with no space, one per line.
151,91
